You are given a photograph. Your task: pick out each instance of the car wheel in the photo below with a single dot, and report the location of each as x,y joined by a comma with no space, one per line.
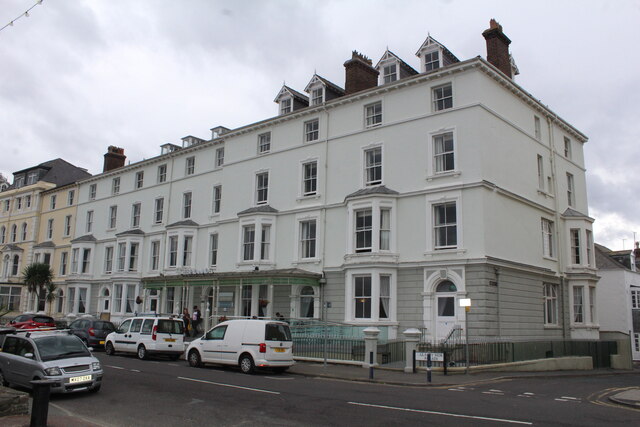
109,350
3,380
95,389
194,359
142,352
246,364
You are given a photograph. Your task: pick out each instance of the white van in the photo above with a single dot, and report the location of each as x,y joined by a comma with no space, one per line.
147,335
248,343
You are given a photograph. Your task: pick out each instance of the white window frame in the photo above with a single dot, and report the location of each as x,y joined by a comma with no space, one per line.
429,62
219,157
217,199
93,189
373,114
89,222
308,241
439,199
442,101
139,179
49,230
312,130
389,72
158,210
162,173
635,299
113,217
367,167
67,226
375,274
70,197
446,224
172,251
190,165
154,252
286,105
136,210
264,143
540,164
115,186
213,249
261,188
588,244
317,95
578,315
108,259
548,238
259,224
64,259
376,206
571,201
435,155
550,295
187,200
52,202
575,246
312,180
537,128
567,148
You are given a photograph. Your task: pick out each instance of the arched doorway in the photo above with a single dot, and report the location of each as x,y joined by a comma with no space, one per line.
445,308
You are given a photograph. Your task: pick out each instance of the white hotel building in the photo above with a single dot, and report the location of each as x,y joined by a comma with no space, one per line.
388,200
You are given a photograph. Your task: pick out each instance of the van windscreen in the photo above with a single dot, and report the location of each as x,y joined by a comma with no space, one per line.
170,326
277,332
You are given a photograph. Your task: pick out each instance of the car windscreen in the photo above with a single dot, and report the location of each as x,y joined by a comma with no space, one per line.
166,326
104,326
60,347
277,332
43,319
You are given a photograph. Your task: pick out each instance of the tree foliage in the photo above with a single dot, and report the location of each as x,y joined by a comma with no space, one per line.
37,277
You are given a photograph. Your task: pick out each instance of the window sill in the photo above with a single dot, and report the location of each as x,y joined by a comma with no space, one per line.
548,258
447,174
214,215
372,322
157,224
255,263
545,194
552,327
377,125
315,196
307,261
450,251
365,257
586,326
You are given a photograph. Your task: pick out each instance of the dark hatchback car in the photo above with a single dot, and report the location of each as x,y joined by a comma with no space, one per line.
92,331
33,321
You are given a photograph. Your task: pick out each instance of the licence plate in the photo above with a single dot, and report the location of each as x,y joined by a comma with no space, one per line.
101,342
170,340
81,379
279,350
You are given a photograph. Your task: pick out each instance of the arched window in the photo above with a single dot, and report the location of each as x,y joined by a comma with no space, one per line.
23,235
3,232
14,267
306,302
5,266
446,286
14,233
105,299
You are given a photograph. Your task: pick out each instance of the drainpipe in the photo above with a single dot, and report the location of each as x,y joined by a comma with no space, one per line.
496,270
323,281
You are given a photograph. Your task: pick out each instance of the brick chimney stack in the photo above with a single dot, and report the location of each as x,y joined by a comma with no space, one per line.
498,48
114,158
359,74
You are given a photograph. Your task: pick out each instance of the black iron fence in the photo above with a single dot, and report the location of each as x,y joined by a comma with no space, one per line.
488,353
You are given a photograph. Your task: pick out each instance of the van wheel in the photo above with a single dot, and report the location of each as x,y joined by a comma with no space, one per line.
194,359
142,352
246,364
109,350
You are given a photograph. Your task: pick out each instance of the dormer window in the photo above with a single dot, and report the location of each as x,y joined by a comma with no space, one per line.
19,181
317,96
390,73
432,60
285,106
32,178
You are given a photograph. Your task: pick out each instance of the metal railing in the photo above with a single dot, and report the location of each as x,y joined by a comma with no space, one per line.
350,349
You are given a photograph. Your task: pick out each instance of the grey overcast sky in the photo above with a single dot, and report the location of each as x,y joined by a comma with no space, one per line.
78,76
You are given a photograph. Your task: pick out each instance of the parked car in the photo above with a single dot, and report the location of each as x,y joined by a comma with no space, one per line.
49,355
33,321
248,343
92,331
147,335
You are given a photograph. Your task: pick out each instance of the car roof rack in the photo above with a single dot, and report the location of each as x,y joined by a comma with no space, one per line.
42,331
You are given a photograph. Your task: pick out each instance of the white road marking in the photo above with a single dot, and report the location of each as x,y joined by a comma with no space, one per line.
135,370
496,391
561,400
571,398
493,392
280,378
422,411
529,394
229,385
524,395
455,389
114,367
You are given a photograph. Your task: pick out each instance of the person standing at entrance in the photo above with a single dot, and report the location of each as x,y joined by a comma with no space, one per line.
196,318
186,318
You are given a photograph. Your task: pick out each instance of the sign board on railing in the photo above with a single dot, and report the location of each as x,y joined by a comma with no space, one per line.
435,357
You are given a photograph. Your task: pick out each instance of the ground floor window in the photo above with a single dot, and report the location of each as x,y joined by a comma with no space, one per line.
78,299
10,297
636,340
60,301
372,295
307,302
550,304
578,304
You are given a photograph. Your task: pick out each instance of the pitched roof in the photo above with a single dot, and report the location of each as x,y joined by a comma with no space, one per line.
183,223
59,172
133,231
604,260
258,209
380,189
47,244
388,54
572,213
85,238
294,93
12,248
335,88
429,41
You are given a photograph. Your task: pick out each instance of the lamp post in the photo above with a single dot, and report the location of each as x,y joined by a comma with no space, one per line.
466,303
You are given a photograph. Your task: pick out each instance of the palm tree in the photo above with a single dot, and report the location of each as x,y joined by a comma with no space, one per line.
37,277
51,289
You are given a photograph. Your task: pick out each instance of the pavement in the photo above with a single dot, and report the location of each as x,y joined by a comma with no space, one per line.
381,375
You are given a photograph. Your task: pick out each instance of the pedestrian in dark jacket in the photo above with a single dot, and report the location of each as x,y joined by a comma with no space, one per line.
196,319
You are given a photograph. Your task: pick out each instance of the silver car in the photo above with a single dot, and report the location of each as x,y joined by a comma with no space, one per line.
52,355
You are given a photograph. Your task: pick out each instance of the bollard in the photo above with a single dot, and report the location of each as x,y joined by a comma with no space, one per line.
371,365
428,367
40,406
444,361
414,361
